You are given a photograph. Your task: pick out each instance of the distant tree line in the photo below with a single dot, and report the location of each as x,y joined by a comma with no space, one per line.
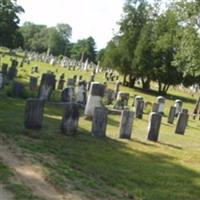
157,44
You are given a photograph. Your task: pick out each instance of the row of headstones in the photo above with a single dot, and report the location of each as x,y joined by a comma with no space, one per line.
95,110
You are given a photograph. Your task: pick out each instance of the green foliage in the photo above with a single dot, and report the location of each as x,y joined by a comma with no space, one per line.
9,35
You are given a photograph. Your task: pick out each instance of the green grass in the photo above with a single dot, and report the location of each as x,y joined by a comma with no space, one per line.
110,168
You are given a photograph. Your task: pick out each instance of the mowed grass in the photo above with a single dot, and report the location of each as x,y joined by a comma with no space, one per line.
109,168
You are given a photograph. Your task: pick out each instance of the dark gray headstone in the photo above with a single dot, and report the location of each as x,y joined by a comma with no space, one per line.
182,122
33,83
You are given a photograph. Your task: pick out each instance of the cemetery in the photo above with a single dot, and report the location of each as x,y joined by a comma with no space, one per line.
74,128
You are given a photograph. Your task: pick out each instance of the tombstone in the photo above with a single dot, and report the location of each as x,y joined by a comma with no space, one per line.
33,83
90,82
14,63
126,124
46,86
69,124
155,107
4,69
99,122
161,102
110,96
70,82
96,94
12,73
67,94
81,95
117,86
1,81
61,83
122,100
197,109
34,114
182,122
178,105
154,126
139,107
17,89
172,114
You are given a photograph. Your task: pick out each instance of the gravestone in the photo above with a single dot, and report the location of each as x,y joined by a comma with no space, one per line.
182,122
172,114
5,69
109,96
95,96
17,89
12,73
155,107
1,81
122,100
47,85
67,94
197,109
69,124
99,122
139,107
33,83
154,126
61,82
126,124
117,86
81,95
70,82
161,102
34,114
178,105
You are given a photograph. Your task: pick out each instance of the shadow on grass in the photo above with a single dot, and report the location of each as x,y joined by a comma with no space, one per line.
103,168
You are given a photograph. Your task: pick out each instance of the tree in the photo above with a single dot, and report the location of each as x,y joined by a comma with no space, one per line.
9,11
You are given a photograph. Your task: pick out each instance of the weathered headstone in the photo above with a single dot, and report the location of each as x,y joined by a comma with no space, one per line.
122,100
46,86
12,73
110,96
126,124
182,122
69,124
95,98
81,95
67,94
139,107
178,105
33,83
155,107
161,102
34,114
172,114
99,122
154,126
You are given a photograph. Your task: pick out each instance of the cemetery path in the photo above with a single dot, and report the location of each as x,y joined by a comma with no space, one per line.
4,195
31,175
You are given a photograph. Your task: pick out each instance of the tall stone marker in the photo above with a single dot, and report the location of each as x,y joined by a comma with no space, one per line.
182,122
154,126
161,102
172,114
126,124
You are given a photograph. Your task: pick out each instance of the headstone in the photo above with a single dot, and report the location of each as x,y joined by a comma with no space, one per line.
99,122
12,73
95,98
155,107
182,122
161,102
17,89
69,124
117,86
178,105
5,69
67,95
122,100
81,95
33,83
34,114
61,83
46,86
197,109
172,114
126,124
139,107
154,126
1,80
70,82
110,96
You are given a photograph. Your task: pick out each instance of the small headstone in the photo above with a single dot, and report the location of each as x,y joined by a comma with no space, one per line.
17,89
155,107
117,87
69,124
154,126
34,114
172,114
161,102
178,105
122,100
95,98
139,107
99,122
126,124
33,83
81,95
182,122
67,95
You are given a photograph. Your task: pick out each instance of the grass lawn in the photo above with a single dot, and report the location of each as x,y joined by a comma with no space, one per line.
110,168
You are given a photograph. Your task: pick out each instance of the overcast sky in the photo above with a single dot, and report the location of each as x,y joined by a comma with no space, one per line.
96,18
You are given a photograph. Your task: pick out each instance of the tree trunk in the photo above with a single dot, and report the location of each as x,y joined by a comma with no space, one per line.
124,80
132,80
146,84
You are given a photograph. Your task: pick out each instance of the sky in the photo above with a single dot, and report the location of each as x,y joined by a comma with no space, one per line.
96,18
